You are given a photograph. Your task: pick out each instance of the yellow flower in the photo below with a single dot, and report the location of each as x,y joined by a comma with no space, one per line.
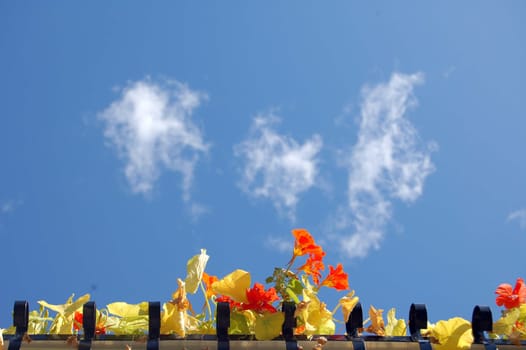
453,334
348,303
195,268
234,285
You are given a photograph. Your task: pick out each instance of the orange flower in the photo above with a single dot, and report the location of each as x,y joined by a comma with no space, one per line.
304,243
337,278
208,280
78,324
259,299
509,297
313,266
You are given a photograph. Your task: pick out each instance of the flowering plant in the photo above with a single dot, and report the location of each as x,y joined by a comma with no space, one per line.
254,307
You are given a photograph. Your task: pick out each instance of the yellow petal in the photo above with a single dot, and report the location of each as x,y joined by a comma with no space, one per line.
194,271
128,310
348,303
453,334
377,322
234,285
268,325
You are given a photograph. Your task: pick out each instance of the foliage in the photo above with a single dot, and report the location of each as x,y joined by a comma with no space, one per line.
254,307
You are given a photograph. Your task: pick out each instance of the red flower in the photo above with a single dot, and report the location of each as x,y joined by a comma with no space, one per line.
227,299
337,278
509,297
304,243
313,266
259,299
77,324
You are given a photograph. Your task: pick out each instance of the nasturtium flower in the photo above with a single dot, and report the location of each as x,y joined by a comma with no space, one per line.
313,266
337,278
233,285
510,296
100,327
208,280
174,315
194,271
377,321
304,243
259,299
348,303
453,334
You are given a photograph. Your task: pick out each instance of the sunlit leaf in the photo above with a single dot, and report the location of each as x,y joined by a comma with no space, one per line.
194,271
395,327
128,310
505,324
234,285
268,325
63,321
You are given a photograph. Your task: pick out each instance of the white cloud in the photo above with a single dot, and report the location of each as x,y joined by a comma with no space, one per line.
519,216
388,162
279,244
9,206
277,167
151,127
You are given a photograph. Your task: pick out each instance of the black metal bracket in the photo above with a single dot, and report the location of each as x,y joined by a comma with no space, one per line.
154,325
482,321
89,322
21,323
289,323
418,321
222,325
353,325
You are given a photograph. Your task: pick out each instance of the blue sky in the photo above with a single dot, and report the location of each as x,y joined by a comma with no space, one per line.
134,134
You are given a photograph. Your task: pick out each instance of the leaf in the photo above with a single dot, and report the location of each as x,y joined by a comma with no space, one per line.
234,285
172,320
63,321
268,325
123,309
395,328
314,313
453,334
194,271
505,324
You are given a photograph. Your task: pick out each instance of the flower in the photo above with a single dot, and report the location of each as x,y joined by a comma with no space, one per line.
100,328
313,266
208,280
337,278
304,243
259,299
509,297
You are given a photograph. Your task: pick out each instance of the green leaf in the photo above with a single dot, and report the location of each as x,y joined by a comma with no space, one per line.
268,326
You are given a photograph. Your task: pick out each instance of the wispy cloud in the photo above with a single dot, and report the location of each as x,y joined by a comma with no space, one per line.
9,206
277,167
151,127
279,244
519,216
388,162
